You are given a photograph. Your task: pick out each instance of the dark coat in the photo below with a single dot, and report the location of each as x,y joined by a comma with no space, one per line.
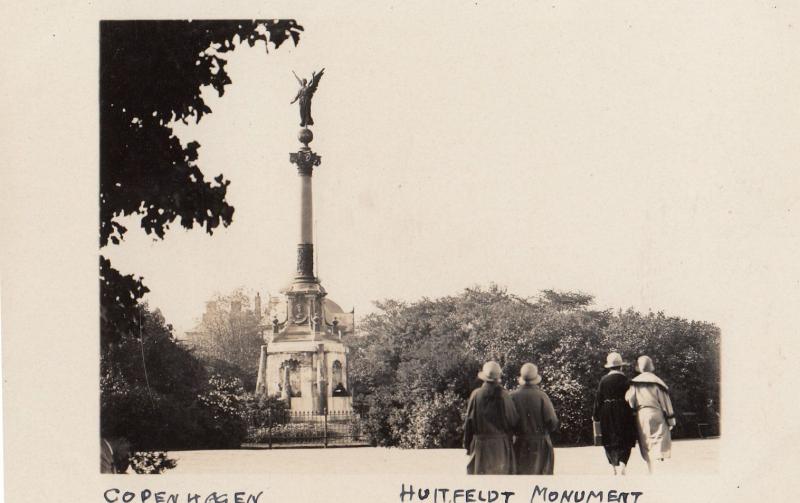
489,425
533,449
615,416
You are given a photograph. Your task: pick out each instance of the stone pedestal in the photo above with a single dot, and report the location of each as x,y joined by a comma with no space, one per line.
310,365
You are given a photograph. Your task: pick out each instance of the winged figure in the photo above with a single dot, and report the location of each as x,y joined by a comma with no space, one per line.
304,95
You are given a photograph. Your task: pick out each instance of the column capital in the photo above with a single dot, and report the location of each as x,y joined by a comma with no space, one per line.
305,159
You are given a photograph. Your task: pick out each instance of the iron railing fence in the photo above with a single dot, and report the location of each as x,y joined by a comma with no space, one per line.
287,428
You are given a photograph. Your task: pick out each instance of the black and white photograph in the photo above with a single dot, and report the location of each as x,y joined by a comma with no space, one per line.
495,356
401,244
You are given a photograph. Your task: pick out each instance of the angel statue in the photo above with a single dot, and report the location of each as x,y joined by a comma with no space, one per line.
305,94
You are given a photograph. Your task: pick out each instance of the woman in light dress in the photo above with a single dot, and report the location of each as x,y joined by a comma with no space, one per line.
649,397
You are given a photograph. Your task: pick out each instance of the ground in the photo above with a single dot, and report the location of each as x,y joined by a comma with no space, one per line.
688,457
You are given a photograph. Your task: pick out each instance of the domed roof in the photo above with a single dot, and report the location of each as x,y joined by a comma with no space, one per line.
331,306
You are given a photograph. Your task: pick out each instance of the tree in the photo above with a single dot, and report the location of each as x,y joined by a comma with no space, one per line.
149,386
120,297
557,332
686,355
151,74
404,358
413,364
567,300
230,335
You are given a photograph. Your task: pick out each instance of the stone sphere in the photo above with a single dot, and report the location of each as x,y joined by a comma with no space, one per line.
305,136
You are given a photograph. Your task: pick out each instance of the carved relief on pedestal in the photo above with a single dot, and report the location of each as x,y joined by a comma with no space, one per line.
299,309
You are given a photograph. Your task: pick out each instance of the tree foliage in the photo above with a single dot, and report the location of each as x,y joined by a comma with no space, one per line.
233,334
685,354
120,297
414,364
158,396
151,73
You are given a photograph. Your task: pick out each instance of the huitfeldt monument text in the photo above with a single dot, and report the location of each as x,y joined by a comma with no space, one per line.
305,360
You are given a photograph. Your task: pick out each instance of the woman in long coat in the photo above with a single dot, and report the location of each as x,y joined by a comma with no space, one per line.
614,415
533,449
649,397
489,425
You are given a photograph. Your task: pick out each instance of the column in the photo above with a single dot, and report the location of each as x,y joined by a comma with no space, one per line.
261,381
305,159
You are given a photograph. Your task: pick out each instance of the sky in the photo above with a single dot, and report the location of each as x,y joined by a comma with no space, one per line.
617,154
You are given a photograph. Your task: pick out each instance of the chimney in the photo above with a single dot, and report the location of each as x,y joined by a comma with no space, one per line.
258,305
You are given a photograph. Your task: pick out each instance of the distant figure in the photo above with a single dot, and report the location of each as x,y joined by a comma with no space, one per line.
613,414
533,449
304,94
649,397
490,422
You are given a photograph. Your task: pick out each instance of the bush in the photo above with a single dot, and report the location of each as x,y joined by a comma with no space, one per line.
375,410
175,404
299,433
151,462
414,364
437,422
222,414
355,428
260,411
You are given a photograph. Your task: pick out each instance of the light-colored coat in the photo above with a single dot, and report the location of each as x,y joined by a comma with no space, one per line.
649,397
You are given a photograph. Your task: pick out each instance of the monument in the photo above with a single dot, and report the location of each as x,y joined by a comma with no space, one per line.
305,362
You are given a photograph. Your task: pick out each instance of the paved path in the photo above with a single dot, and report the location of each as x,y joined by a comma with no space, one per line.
688,457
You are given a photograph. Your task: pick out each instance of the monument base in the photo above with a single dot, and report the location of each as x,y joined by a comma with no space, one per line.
309,375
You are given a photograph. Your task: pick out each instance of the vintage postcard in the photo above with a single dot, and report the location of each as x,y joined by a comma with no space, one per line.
404,252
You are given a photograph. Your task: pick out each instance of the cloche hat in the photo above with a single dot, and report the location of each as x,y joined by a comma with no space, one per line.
645,364
529,374
491,372
614,360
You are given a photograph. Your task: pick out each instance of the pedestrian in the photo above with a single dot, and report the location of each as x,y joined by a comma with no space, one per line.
649,397
614,415
489,426
533,449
